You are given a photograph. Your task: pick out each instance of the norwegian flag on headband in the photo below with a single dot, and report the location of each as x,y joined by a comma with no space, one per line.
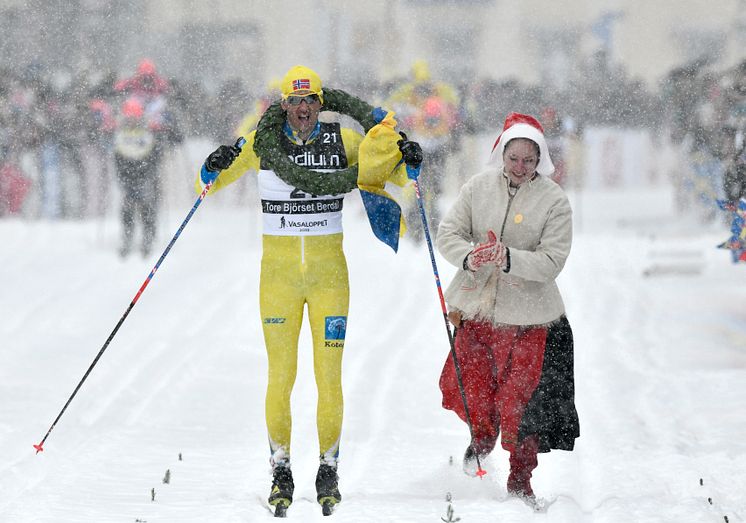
301,83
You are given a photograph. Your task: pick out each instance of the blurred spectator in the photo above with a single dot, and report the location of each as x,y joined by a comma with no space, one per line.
99,125
705,179
735,134
136,160
13,184
186,101
146,83
249,121
735,99
13,188
553,133
151,90
681,96
734,156
429,111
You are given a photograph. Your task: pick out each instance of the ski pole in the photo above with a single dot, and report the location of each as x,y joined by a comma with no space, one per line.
413,173
40,446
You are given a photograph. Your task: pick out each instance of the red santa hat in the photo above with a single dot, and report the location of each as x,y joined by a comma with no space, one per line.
519,125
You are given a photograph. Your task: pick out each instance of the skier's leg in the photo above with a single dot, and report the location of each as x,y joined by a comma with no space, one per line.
281,303
328,303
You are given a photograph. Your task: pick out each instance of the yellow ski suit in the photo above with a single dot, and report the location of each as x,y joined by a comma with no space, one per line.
302,264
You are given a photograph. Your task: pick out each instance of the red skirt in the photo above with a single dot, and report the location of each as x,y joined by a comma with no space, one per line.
500,370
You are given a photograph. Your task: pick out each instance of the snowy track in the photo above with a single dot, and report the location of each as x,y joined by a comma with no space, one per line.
660,376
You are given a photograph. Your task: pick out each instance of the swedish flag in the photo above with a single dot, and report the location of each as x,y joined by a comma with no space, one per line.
379,161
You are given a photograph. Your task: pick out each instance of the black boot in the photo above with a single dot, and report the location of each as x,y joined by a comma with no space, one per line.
523,461
281,495
327,490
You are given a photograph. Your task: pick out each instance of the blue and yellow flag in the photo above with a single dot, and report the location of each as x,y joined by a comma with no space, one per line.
379,162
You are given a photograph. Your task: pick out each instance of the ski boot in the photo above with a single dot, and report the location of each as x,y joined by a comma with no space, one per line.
281,495
326,488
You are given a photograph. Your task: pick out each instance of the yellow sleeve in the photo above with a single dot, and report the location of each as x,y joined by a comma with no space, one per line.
246,161
351,140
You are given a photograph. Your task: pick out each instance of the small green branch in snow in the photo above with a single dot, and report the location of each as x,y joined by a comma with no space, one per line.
449,511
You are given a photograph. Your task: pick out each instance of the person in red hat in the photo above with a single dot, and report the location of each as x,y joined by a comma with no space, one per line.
136,162
146,83
509,233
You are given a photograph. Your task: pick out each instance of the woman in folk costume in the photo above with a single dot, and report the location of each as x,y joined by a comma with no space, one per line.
509,233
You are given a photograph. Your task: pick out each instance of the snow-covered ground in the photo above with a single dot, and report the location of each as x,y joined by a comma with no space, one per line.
659,317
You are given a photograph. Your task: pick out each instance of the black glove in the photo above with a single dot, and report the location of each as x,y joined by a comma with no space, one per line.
411,152
222,158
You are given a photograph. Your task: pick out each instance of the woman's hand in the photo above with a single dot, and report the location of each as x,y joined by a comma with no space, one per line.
489,252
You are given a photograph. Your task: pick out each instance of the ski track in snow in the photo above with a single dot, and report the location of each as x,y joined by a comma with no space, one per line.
660,370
